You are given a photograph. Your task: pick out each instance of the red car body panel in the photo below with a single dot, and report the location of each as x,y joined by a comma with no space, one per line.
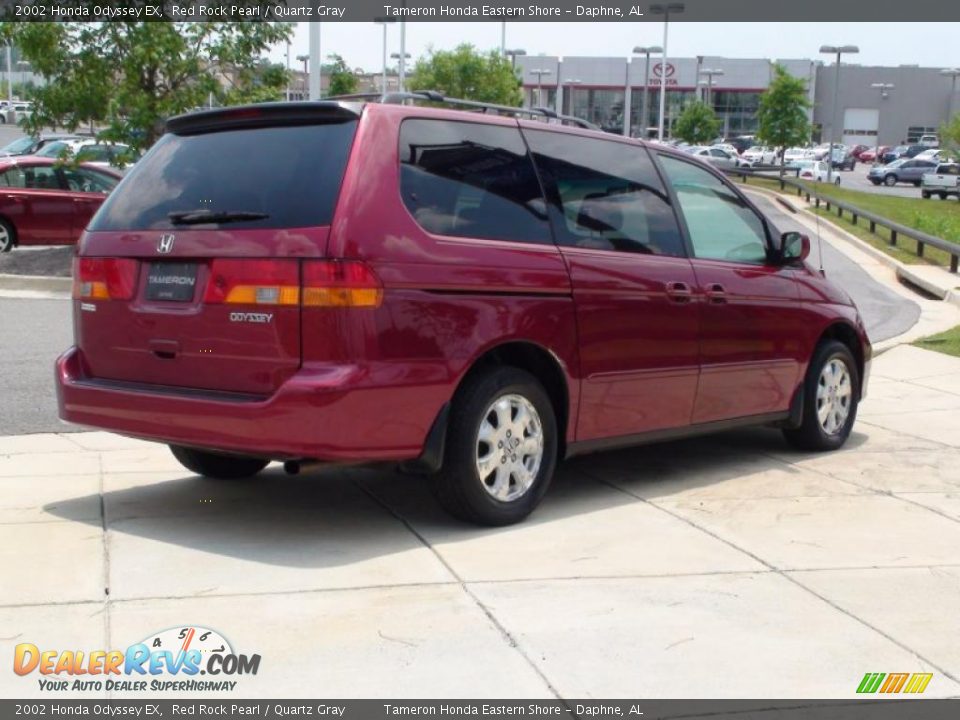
643,343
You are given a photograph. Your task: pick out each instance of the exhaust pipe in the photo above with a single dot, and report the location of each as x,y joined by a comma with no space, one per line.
295,467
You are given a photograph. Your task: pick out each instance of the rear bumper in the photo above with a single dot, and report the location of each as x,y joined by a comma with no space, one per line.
335,413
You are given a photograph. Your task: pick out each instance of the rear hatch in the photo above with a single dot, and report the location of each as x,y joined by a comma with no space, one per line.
190,274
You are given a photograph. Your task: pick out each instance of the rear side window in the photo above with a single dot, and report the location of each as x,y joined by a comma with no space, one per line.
290,174
605,195
471,180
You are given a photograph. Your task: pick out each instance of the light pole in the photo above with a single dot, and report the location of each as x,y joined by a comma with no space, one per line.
710,74
884,89
316,62
644,112
540,72
401,58
566,84
665,10
951,73
503,39
384,21
512,54
837,50
402,67
306,76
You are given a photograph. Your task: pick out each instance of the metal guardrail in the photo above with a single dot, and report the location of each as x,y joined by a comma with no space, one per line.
896,230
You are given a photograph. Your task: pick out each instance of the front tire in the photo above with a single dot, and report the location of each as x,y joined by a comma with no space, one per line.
501,449
831,394
217,465
890,180
8,236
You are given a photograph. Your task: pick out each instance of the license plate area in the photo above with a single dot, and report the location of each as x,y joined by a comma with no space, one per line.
171,282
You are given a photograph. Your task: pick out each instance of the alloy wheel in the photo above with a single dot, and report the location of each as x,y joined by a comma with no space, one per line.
510,446
834,395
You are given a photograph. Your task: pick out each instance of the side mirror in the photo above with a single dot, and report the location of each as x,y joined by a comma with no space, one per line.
794,247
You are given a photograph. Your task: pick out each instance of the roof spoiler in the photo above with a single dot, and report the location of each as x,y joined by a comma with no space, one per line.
263,115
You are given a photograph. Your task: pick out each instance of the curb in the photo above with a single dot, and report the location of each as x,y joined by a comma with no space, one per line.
36,283
902,270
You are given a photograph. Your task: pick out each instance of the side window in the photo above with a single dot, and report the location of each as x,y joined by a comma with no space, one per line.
13,178
471,180
41,177
85,180
605,195
721,225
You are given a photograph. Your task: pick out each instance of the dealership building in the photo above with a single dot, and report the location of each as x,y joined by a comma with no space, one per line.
610,93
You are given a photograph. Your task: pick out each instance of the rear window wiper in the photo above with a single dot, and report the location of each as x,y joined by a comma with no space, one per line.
199,217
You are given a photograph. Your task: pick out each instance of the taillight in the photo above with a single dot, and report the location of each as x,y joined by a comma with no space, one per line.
104,278
254,282
340,283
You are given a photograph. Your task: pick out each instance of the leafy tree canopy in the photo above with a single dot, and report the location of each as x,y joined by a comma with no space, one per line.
131,76
950,134
698,124
467,73
342,79
782,116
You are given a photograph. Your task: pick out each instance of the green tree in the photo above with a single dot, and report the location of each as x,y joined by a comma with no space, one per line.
782,116
950,135
467,73
342,79
134,75
698,124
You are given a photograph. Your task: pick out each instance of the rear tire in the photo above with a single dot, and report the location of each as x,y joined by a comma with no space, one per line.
890,180
501,449
8,236
925,195
831,394
217,465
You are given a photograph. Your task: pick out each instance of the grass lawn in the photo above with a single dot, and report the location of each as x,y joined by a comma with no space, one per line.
947,342
940,218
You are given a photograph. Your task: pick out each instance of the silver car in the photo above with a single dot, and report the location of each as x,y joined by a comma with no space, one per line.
719,158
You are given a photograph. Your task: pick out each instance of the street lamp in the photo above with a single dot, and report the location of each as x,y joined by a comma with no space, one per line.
951,73
710,74
384,21
512,54
402,58
665,10
567,83
837,50
306,75
884,89
540,72
644,113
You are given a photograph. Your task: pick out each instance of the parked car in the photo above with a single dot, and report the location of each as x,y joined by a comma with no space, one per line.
30,145
914,150
522,293
841,159
930,141
935,155
716,156
758,155
902,170
91,152
893,153
42,203
795,154
815,170
821,151
858,150
943,181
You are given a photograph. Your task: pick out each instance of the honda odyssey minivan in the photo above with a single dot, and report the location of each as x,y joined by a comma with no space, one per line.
473,295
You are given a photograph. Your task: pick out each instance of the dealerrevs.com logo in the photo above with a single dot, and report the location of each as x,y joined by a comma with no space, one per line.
176,660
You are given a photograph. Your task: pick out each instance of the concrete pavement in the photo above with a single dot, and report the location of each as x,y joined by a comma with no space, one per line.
728,566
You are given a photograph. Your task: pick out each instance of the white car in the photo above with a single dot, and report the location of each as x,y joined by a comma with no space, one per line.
758,155
816,170
716,156
796,154
89,151
930,141
935,154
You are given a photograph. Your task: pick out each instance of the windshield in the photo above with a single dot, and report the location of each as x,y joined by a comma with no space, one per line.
19,146
267,177
53,149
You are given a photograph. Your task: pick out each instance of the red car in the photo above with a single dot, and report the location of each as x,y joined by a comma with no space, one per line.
472,296
43,202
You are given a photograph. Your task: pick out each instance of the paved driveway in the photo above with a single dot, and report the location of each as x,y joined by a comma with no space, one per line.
721,567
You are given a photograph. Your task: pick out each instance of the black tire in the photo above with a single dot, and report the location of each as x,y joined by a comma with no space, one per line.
218,465
811,434
837,180
8,236
925,195
942,196
890,180
916,183
458,486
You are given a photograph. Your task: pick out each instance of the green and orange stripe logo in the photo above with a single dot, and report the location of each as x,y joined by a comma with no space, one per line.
914,683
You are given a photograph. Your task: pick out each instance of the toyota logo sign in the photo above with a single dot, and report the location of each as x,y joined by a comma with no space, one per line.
658,70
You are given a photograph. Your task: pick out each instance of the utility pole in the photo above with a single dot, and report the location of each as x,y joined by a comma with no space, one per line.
316,61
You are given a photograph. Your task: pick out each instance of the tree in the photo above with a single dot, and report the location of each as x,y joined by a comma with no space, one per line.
467,73
133,75
950,134
782,116
342,79
698,124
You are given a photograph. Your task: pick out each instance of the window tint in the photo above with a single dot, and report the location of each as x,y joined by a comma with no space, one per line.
605,195
721,225
471,180
290,173
86,180
36,177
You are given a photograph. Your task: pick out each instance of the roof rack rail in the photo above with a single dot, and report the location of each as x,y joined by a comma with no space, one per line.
437,97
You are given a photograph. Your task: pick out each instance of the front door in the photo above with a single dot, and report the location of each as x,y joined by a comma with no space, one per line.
632,283
751,349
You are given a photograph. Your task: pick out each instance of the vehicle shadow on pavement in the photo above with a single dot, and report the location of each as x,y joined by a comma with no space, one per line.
377,522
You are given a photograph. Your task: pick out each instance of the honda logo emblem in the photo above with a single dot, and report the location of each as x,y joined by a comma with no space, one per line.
165,243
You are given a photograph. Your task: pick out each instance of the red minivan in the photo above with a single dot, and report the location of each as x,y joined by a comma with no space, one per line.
473,295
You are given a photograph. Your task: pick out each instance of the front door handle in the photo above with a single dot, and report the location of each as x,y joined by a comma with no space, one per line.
15,198
679,292
716,294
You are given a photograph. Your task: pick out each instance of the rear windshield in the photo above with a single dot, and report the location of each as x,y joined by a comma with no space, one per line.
290,175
